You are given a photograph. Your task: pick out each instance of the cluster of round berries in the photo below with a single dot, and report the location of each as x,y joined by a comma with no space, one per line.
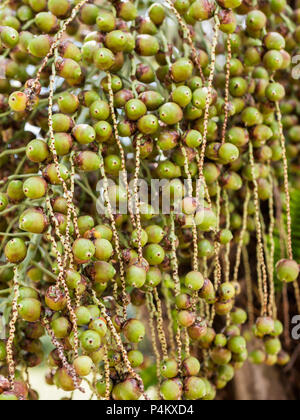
198,94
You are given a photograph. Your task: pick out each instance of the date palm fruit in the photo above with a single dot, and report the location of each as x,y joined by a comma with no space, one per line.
127,390
134,331
171,389
55,299
33,220
15,191
169,368
83,250
37,151
287,270
3,201
88,90
194,388
35,188
15,250
83,365
29,309
18,101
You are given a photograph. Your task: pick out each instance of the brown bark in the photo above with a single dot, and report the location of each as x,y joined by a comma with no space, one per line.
259,383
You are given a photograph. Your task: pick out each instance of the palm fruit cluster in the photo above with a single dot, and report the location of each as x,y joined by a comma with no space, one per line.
201,94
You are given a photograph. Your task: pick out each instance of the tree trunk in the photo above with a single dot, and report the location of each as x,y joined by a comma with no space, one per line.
259,383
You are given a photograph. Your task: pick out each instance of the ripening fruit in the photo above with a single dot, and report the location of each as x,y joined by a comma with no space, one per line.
182,70
15,191
228,21
100,110
33,220
37,151
83,315
186,318
275,92
61,327
228,153
265,325
145,74
64,380
171,389
29,309
68,103
273,346
55,299
251,116
256,20
54,177
257,357
9,36
237,344
135,109
99,325
104,131
278,6
146,45
274,41
194,388
230,4
62,123
63,143
182,96
106,21
154,277
84,133
136,358
18,101
206,219
135,276
68,69
35,187
116,41
148,124
37,5
90,341
273,60
83,365
8,396
169,368
157,13
238,316
126,391
3,201
191,366
193,138
170,113
201,10
153,100
104,59
83,250
104,249
287,270
102,272
154,254
40,45
15,250
46,22
194,281
101,387
59,8
85,223
134,331
89,13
